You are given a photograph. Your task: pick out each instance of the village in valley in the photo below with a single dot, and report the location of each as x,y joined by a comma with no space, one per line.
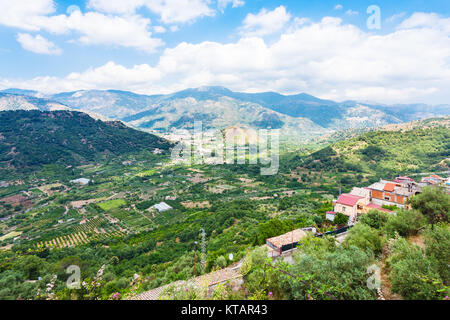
158,227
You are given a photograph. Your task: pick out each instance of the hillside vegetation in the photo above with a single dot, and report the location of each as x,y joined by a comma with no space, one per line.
372,155
30,139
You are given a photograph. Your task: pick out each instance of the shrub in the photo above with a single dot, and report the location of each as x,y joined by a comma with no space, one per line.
434,203
406,223
437,243
221,262
342,273
341,219
374,219
364,237
409,266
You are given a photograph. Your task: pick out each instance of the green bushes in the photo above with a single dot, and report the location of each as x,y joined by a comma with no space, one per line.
272,228
341,219
365,237
341,272
405,223
373,152
434,203
437,242
374,219
411,270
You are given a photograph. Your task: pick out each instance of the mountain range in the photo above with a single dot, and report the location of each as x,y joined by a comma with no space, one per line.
219,107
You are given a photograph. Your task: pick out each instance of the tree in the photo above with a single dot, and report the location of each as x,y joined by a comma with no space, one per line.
437,243
409,266
406,223
221,262
364,237
341,219
434,203
374,219
342,273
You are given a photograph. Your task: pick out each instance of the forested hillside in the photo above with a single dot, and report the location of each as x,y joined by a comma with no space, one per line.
32,138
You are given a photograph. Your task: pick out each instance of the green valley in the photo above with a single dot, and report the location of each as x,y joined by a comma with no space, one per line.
97,211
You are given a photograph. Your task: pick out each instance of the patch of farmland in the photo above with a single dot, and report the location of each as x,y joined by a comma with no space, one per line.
199,204
112,204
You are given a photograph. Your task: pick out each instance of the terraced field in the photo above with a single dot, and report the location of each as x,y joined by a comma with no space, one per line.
92,230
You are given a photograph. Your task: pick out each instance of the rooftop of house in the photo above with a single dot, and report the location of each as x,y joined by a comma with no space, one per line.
402,179
348,199
287,238
405,188
377,186
362,192
332,212
389,187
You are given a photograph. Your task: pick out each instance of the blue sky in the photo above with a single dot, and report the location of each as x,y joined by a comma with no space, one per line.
152,46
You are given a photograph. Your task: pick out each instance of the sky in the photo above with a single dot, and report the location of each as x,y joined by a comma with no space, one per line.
380,50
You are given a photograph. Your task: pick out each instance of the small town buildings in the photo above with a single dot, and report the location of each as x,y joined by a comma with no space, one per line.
361,192
433,180
286,241
161,207
393,193
351,205
403,180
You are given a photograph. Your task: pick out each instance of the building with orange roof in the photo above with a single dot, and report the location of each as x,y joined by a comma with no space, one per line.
393,193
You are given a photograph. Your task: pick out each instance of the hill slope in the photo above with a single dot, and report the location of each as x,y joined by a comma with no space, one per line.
33,138
417,147
16,100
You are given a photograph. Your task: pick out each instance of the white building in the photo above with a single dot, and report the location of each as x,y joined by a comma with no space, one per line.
82,181
161,207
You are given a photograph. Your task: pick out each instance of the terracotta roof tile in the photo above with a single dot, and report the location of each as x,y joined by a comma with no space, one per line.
348,199
389,187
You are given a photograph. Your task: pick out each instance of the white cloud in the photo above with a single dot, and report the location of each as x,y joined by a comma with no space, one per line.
37,44
265,22
180,11
25,14
328,59
338,7
426,20
116,6
129,31
170,11
159,29
222,4
92,28
351,12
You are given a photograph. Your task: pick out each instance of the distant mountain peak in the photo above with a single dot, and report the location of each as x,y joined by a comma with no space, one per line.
218,106
23,92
